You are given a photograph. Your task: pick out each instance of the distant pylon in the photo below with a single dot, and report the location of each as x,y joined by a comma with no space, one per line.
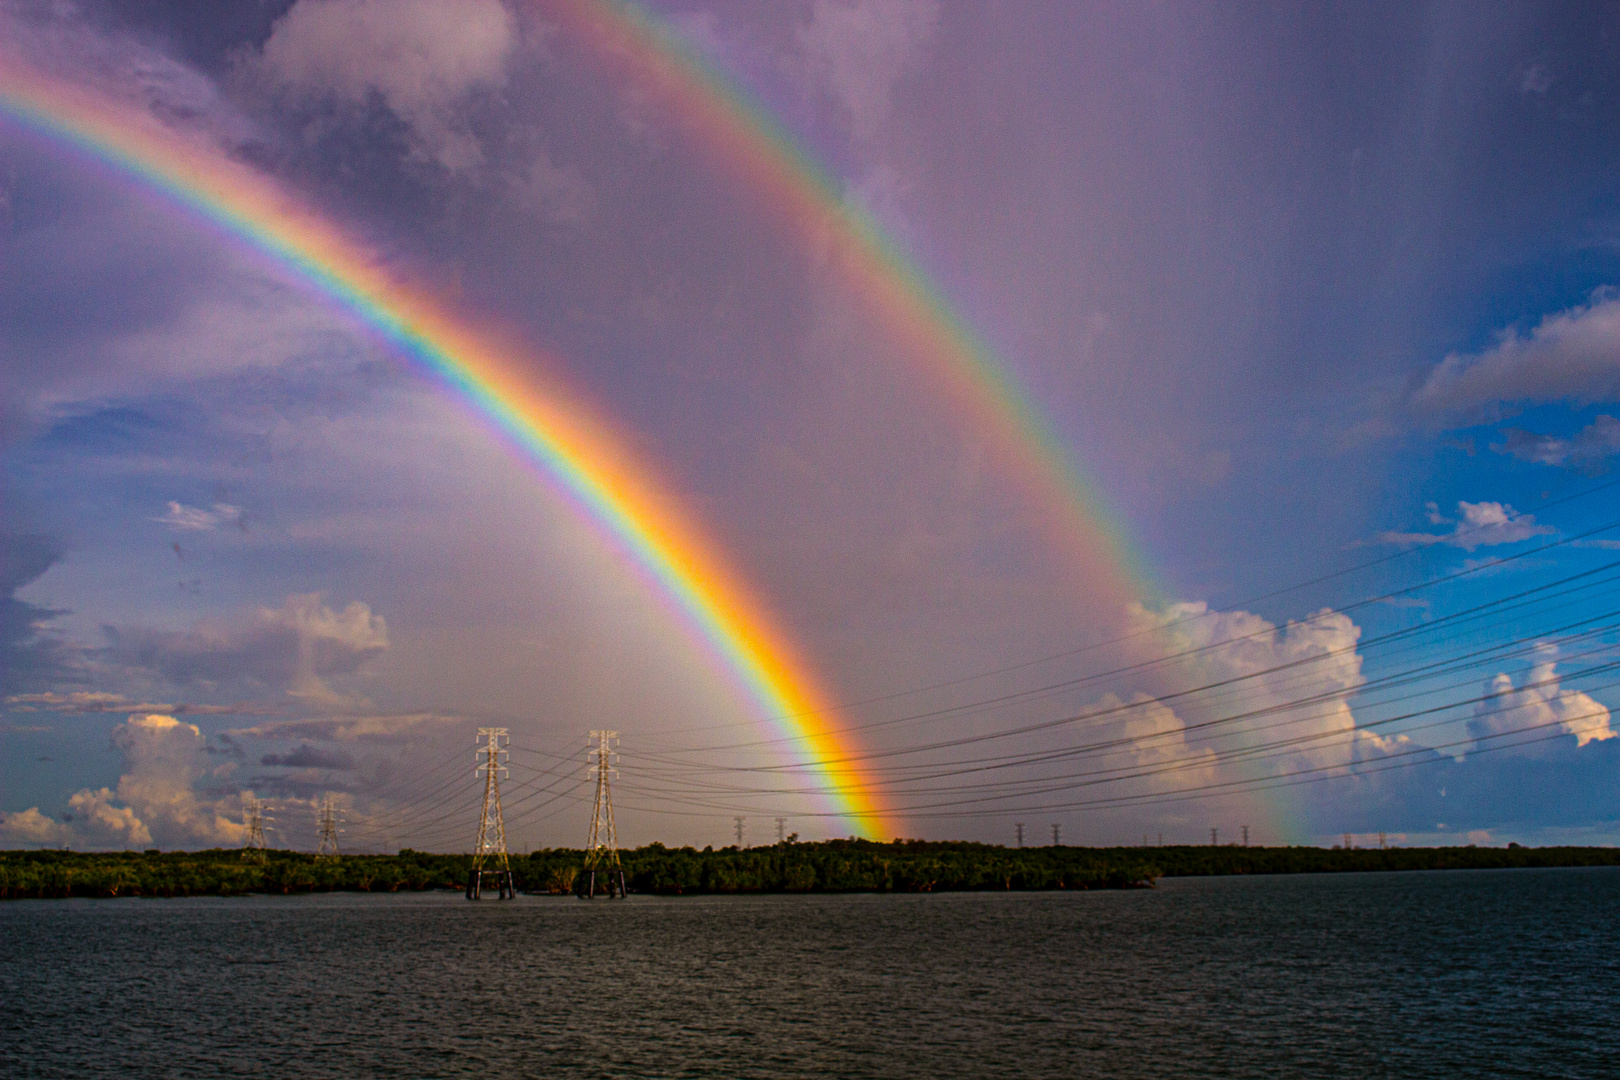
253,818
1213,833
1018,826
1057,833
328,848
491,842
602,852
781,830
1245,836
739,822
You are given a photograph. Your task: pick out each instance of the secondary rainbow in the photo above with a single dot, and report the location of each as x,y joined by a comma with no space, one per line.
503,380
744,134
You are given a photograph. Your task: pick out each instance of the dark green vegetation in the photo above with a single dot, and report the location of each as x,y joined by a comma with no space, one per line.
832,866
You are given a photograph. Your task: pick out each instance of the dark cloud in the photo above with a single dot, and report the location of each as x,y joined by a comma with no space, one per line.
85,702
24,557
384,728
32,655
202,32
294,648
1588,447
309,757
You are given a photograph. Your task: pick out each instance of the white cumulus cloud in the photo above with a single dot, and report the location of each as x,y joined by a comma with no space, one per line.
297,648
30,828
155,801
1482,524
1570,356
421,58
1539,701
858,49
1265,670
196,519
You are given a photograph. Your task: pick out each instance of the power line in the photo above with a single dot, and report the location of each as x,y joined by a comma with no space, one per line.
1484,566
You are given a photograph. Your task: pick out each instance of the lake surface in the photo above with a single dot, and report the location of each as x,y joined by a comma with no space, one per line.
1455,974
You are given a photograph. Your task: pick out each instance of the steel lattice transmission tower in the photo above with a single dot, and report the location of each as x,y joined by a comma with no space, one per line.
602,851
491,844
253,818
328,847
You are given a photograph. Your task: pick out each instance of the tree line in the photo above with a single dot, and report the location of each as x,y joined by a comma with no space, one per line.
829,866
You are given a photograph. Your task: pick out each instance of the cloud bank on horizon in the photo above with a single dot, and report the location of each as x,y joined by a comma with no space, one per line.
1302,292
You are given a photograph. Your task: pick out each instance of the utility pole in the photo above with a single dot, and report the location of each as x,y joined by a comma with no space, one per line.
1213,833
328,847
1019,827
1382,842
781,830
602,851
1056,833
737,824
253,818
1245,836
491,843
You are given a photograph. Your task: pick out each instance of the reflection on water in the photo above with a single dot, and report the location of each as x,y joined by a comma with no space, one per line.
1479,973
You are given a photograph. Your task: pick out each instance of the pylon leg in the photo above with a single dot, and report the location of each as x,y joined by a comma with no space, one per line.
622,892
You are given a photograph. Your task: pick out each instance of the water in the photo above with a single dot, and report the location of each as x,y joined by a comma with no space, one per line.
1459,974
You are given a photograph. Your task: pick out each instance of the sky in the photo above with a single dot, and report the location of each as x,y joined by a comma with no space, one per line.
1273,498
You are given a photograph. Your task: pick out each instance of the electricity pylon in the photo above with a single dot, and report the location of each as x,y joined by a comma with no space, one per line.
602,851
328,848
253,818
491,844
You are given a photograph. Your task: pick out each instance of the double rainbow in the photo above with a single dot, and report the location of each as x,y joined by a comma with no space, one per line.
575,451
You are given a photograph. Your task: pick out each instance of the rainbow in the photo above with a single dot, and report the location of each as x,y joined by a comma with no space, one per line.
575,451
720,112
